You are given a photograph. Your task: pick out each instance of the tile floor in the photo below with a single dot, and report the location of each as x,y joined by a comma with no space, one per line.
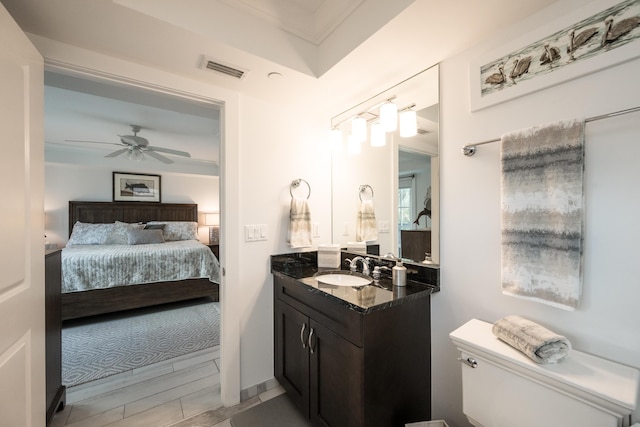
181,392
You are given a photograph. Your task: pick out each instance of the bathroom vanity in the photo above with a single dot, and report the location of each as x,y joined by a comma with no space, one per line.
351,356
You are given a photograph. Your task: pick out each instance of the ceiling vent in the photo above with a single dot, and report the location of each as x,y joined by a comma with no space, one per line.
229,70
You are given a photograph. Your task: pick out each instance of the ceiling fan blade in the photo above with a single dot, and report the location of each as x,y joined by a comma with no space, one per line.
157,156
168,151
92,142
117,152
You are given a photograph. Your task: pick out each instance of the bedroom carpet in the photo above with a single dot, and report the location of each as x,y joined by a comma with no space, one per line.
107,345
276,412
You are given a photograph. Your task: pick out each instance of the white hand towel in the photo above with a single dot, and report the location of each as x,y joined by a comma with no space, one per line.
366,226
299,224
536,341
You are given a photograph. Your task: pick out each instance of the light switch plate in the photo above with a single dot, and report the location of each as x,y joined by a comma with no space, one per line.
255,232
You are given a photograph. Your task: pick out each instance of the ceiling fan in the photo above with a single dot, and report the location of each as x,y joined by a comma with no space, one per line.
135,147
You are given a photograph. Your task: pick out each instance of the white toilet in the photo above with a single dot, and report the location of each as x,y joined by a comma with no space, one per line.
501,387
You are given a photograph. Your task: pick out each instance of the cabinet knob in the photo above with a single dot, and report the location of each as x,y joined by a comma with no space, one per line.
302,340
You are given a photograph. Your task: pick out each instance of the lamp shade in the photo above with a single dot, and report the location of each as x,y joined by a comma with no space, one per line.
359,129
353,145
389,116
335,139
212,218
408,123
378,136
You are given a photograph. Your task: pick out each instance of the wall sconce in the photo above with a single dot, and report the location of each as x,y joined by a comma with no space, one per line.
335,139
388,116
353,145
213,221
408,123
391,111
359,129
378,135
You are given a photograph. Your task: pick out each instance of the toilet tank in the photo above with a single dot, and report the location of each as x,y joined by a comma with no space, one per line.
501,387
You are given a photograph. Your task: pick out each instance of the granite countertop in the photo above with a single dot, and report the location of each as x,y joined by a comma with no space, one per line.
379,295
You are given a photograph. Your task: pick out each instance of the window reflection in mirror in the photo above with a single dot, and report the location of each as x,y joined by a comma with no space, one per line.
385,169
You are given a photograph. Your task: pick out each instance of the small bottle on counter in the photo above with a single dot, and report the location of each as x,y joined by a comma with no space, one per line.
399,274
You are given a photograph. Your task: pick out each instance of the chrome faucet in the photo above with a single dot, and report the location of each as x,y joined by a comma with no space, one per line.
353,264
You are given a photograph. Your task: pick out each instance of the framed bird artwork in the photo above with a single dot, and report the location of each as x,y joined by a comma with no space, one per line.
573,44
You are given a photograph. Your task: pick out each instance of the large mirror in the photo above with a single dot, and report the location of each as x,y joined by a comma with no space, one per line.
400,178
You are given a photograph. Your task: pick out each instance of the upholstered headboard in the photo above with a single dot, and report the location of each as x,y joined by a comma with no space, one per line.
109,212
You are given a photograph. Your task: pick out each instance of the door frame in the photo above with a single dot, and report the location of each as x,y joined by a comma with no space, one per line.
230,302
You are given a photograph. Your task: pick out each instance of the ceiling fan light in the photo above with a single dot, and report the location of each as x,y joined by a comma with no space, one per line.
408,123
335,139
139,156
378,135
359,129
353,145
389,116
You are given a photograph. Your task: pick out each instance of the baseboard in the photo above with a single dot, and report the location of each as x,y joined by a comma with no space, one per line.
256,389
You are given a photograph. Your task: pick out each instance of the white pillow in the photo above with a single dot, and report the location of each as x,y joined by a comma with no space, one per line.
84,233
178,230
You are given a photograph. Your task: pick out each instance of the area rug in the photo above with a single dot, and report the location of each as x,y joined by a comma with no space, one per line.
276,412
111,344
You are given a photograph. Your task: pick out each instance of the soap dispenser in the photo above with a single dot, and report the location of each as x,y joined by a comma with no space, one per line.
399,274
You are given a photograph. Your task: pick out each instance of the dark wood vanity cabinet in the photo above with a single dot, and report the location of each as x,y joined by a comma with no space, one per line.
415,244
320,367
345,368
55,391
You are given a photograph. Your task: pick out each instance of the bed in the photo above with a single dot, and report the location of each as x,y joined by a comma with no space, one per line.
183,269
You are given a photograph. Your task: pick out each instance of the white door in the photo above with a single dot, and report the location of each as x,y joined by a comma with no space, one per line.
22,351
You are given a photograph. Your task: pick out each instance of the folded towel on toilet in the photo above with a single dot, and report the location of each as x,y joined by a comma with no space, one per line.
532,339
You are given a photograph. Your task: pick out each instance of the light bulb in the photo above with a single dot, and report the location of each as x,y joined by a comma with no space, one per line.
408,123
378,137
359,129
389,116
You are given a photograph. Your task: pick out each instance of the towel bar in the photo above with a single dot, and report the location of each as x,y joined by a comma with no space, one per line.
470,149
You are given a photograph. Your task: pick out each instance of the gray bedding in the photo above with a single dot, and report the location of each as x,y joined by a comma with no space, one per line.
86,267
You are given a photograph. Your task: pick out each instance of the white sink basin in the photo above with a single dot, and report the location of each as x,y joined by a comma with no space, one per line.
344,279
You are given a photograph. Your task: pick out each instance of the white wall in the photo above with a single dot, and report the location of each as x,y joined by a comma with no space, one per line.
65,182
277,146
606,323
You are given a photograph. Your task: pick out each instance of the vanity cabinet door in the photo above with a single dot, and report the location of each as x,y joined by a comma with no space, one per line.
336,378
292,354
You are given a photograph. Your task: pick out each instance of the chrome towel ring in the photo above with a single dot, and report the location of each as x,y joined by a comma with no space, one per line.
363,188
295,184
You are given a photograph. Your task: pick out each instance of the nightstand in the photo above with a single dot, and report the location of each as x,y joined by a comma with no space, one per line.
216,250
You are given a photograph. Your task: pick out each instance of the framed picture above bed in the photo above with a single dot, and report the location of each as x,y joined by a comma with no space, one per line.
136,187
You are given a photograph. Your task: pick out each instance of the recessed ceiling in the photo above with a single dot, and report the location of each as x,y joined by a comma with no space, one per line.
308,36
311,20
